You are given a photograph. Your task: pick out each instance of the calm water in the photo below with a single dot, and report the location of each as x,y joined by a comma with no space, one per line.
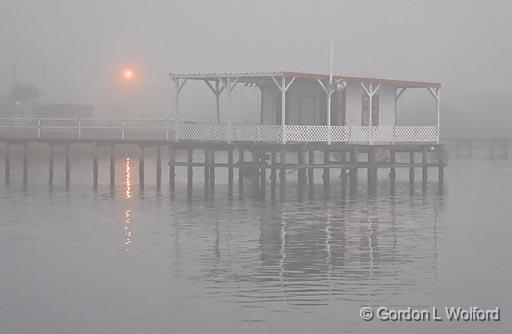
130,262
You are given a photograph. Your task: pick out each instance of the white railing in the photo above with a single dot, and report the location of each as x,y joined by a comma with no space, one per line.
244,132
86,128
157,129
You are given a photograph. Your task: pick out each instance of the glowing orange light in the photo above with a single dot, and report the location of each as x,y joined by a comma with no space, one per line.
128,74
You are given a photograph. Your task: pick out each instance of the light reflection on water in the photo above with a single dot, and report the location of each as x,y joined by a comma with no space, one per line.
229,261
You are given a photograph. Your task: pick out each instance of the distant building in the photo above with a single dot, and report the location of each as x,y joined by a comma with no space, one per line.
59,110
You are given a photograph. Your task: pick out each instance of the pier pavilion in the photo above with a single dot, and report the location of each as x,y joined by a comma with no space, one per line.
349,121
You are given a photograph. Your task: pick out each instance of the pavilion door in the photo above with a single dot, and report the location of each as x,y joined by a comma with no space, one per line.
375,110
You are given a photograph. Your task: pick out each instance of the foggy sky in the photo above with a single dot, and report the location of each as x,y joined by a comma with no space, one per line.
81,46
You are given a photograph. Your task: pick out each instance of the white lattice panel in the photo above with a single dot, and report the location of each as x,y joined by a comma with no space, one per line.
306,133
382,134
412,134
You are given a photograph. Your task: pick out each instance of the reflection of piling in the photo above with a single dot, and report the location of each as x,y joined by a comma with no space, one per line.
311,162
326,176
212,173
206,174
343,174
301,173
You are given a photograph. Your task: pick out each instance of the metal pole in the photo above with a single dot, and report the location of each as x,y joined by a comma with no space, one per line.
370,101
123,129
79,130
329,94
438,114
217,99
283,109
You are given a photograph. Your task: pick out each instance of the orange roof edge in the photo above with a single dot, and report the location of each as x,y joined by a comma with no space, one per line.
396,83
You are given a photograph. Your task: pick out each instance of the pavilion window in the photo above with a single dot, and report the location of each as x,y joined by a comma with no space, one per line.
375,110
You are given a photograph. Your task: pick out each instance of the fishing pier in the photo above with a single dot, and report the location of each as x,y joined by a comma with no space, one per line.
340,125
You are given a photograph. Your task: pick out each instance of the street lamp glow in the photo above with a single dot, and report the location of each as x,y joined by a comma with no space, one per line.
128,75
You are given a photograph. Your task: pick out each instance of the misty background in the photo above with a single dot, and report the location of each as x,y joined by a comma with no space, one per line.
75,51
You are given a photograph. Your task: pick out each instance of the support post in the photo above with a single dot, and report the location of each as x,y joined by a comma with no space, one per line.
230,173
68,167
172,172
411,173
112,168
95,166
25,165
240,173
372,172
255,177
392,173
212,173
300,174
353,171
343,174
7,163
326,176
273,175
311,161
190,176
206,174
263,177
158,169
424,175
282,175
440,186
50,166
141,168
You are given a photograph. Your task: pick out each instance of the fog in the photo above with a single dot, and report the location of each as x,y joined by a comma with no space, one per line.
74,51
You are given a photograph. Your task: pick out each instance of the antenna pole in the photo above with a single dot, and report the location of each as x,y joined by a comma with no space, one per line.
331,56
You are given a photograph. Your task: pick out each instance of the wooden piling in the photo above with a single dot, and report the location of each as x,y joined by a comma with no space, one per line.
424,175
282,175
301,182
67,166
206,174
172,172
25,165
343,174
158,169
95,166
240,173
411,173
371,172
392,174
353,171
255,175
141,168
440,187
212,173
230,174
273,175
311,162
7,163
263,178
326,176
190,176
112,168
50,166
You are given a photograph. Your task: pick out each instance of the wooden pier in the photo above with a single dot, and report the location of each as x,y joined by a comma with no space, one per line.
262,165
